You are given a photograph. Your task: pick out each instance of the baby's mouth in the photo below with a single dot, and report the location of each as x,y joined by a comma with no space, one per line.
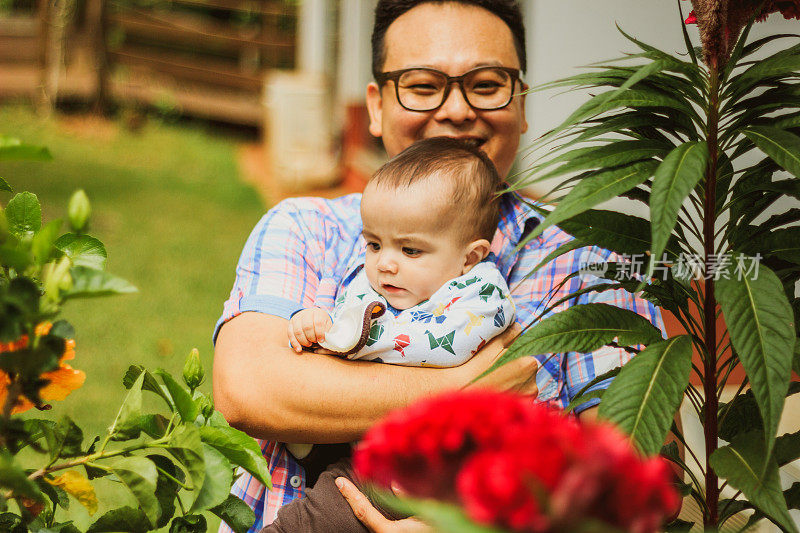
388,287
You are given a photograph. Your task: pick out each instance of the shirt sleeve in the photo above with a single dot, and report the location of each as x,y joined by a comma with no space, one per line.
563,375
449,328
279,269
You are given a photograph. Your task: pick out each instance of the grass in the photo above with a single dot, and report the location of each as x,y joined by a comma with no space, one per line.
170,207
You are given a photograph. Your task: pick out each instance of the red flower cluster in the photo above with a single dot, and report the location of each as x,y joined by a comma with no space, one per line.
516,464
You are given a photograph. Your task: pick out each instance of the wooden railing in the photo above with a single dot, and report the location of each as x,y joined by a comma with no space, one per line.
208,57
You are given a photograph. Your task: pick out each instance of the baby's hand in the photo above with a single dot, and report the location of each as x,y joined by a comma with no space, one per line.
307,327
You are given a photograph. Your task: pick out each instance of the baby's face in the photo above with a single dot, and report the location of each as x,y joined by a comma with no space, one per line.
413,242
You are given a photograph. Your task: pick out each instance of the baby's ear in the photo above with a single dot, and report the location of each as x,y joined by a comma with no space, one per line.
476,251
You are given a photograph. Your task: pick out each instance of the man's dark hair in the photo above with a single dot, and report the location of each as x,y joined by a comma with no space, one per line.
461,167
388,11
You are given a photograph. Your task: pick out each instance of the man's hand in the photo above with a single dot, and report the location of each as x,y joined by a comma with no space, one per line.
308,327
517,376
371,517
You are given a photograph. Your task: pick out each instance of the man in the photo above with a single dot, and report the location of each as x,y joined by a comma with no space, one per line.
304,249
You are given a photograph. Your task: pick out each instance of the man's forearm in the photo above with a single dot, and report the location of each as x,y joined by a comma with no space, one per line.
269,391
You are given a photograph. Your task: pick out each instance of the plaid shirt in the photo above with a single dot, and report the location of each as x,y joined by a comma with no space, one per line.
304,251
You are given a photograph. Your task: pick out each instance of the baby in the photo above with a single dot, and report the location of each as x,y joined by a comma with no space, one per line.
427,295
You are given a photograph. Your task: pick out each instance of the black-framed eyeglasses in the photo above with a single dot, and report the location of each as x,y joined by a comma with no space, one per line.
426,89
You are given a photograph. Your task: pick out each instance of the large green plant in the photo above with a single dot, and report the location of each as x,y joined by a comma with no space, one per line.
176,462
703,141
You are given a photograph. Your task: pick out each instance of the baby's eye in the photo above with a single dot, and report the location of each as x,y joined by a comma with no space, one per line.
411,252
373,246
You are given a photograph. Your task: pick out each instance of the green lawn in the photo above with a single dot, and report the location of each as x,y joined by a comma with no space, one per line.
173,214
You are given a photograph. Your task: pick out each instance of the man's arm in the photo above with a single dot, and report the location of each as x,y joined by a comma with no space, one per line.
265,389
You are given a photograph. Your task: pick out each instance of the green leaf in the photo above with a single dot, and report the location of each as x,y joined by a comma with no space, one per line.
787,448
678,525
780,145
127,418
583,398
24,214
240,449
565,248
13,477
606,156
140,476
747,466
674,179
759,320
783,243
217,482
194,523
4,186
739,416
610,230
83,250
686,40
64,439
643,398
12,523
596,188
633,98
183,400
237,514
442,517
15,258
785,62
123,519
581,328
43,240
149,384
166,488
14,149
185,445
154,426
88,282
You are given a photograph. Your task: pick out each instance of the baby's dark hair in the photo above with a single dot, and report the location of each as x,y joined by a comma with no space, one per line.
473,179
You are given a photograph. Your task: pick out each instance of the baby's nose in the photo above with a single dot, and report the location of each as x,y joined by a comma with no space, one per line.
386,264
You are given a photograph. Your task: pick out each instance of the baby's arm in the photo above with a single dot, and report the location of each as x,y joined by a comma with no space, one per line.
307,327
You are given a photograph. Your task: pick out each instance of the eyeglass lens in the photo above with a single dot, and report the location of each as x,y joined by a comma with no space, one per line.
485,88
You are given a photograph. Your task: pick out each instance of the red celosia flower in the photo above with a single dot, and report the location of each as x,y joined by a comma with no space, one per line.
691,19
516,464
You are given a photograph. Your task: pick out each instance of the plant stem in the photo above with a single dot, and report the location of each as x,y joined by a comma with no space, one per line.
94,457
710,304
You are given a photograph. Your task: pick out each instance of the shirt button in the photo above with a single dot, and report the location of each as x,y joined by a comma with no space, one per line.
295,481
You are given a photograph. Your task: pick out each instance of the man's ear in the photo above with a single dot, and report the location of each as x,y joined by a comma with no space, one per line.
522,106
476,252
375,109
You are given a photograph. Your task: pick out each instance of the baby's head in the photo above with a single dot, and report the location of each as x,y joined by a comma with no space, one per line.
429,215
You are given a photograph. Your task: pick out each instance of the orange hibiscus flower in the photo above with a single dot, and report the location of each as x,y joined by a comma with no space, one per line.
61,381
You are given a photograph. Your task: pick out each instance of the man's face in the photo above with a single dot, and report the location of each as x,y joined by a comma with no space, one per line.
453,38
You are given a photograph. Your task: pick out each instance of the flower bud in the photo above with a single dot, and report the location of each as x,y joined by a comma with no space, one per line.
193,372
57,278
205,404
79,211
